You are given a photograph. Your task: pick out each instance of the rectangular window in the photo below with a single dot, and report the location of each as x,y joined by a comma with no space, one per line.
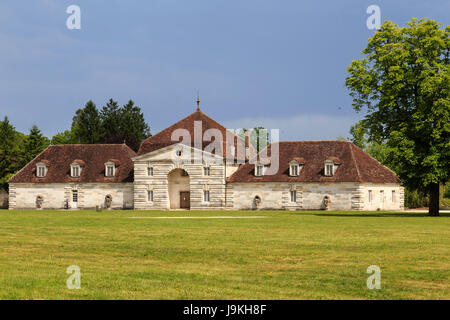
75,171
150,171
110,171
259,170
41,172
329,170
207,171
393,195
370,195
293,196
150,195
206,196
75,196
294,170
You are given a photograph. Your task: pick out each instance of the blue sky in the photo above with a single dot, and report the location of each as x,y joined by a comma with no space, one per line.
280,64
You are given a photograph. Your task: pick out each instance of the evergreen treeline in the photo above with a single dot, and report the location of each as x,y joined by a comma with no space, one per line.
111,124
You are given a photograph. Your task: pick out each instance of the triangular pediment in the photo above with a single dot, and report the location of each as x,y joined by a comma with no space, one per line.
179,153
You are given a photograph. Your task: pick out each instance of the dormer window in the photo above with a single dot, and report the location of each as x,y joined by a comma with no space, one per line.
41,169
329,169
330,166
110,167
206,171
75,168
295,166
293,170
110,170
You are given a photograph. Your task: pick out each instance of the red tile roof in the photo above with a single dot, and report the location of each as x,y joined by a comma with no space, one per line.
163,138
356,165
92,156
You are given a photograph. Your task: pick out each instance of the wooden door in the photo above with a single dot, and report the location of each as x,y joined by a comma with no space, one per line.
185,200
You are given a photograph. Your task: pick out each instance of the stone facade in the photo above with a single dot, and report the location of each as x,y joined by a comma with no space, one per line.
171,173
166,177
310,196
166,187
383,197
59,195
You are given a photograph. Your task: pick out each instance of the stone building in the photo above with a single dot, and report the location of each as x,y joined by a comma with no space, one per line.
199,164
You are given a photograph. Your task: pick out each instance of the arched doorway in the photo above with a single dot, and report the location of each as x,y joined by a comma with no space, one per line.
179,189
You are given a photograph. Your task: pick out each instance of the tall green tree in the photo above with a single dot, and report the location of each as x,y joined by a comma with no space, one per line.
9,152
111,117
403,85
86,125
34,144
358,134
133,127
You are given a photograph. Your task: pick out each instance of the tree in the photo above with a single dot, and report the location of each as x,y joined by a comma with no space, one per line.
86,125
9,152
34,144
133,127
358,135
259,138
111,123
65,137
403,84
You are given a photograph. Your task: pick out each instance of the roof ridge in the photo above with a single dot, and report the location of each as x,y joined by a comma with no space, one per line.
209,118
156,134
130,151
163,136
355,162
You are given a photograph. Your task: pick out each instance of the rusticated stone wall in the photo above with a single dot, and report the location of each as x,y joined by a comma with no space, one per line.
55,195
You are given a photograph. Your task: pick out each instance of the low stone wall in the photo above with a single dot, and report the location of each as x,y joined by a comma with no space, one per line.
56,195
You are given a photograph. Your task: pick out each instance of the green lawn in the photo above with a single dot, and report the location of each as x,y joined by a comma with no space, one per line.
298,255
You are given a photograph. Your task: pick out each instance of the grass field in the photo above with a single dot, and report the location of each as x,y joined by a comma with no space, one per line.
278,255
